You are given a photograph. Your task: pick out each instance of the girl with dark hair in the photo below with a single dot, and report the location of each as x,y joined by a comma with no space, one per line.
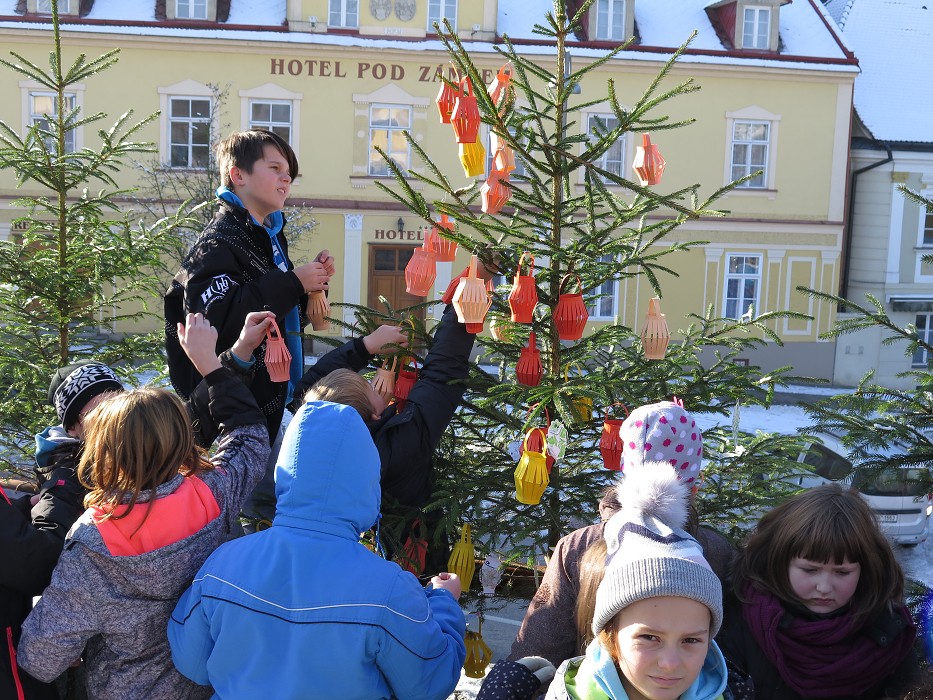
818,608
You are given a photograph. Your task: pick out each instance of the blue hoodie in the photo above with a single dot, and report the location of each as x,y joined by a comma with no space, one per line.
302,610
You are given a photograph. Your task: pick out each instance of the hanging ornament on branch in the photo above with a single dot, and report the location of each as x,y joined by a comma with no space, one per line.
654,333
648,164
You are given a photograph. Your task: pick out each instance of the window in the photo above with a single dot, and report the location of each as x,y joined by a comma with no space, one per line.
750,143
189,132
927,234
756,28
386,126
743,278
191,9
603,307
274,115
610,19
924,325
612,159
43,109
45,7
344,13
439,10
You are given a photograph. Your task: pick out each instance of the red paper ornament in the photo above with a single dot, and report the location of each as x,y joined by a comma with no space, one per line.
570,314
536,441
500,83
465,118
502,154
421,271
648,164
448,296
495,192
415,550
524,295
610,444
277,359
446,99
528,369
406,380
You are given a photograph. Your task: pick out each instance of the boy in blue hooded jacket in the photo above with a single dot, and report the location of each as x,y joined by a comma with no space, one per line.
302,610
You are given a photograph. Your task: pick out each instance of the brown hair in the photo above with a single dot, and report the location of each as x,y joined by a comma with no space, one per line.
592,570
344,386
822,524
136,441
243,148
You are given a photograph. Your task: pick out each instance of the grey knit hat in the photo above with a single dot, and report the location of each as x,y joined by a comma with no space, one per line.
648,553
74,385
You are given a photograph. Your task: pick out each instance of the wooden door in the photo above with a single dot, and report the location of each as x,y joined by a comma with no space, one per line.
387,277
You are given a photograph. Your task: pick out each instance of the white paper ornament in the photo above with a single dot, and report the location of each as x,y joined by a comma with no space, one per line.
490,574
557,439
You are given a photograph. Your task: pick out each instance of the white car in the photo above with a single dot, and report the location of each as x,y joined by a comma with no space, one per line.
902,506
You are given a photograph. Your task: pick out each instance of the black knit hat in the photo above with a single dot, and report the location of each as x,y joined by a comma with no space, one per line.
73,386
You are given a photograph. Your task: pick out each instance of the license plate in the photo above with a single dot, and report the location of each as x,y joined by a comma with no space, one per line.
885,518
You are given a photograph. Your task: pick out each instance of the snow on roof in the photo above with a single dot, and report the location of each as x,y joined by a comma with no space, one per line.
660,23
893,40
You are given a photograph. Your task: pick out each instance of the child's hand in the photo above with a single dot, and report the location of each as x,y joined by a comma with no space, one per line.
252,334
449,582
385,339
327,260
313,276
198,338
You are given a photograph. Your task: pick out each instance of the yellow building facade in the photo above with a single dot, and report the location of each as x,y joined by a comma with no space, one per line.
338,77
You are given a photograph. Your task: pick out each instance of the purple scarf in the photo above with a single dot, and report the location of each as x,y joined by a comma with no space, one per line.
822,658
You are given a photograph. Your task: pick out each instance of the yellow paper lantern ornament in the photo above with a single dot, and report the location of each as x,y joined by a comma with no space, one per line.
654,333
531,476
473,157
463,558
478,653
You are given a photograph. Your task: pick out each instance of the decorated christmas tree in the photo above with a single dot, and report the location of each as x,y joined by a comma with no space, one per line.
543,382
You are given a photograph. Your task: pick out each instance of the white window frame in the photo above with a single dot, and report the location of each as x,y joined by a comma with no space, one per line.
604,161
742,302
769,178
35,117
607,290
192,11
192,122
761,19
610,20
186,89
925,239
270,92
440,9
920,359
341,10
389,129
28,88
44,7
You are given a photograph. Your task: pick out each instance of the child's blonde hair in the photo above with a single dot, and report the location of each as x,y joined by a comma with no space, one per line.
822,524
592,569
135,442
347,387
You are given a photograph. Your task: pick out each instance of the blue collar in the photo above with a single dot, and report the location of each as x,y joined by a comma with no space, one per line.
276,219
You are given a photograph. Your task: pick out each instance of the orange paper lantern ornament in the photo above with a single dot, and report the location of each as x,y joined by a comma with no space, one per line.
528,369
503,157
500,328
465,118
478,327
384,380
462,559
415,550
404,383
473,158
654,333
448,296
524,295
471,300
478,653
446,99
318,310
531,475
444,248
421,271
277,359
570,314
500,84
610,443
648,164
495,192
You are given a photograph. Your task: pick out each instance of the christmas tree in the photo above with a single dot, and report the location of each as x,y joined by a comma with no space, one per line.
611,229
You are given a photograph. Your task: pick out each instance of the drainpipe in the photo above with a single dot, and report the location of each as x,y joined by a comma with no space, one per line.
850,222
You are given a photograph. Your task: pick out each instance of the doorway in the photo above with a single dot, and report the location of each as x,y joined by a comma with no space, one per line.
387,278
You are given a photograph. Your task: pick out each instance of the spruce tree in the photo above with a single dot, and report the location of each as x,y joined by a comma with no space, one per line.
573,233
81,263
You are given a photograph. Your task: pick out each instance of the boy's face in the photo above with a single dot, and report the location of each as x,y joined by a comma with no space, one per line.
265,189
661,644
